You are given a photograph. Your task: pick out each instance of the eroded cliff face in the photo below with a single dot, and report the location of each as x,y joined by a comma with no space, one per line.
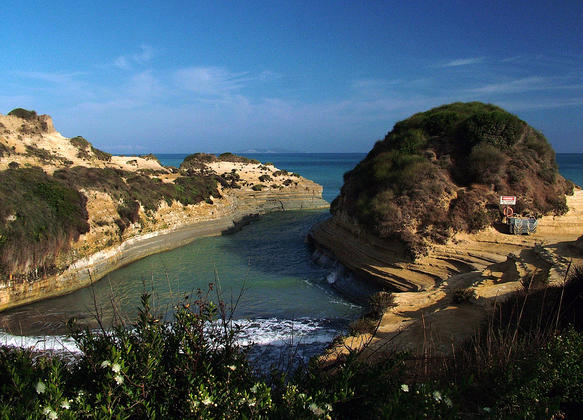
387,264
420,216
494,265
125,212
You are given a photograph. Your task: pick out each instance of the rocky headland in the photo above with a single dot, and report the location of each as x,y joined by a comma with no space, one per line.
70,213
420,216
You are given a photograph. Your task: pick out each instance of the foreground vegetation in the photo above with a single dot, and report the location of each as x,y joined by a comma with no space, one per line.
526,362
442,171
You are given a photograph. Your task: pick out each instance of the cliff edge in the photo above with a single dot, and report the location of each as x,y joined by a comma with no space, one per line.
71,213
420,215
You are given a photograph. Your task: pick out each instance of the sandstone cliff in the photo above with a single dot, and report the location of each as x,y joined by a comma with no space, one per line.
420,216
70,213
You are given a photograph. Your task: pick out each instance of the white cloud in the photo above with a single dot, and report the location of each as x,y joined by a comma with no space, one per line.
210,81
9,102
126,62
56,78
463,62
513,86
526,84
548,104
145,85
269,75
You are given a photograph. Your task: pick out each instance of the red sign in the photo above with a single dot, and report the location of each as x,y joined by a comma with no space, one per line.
508,200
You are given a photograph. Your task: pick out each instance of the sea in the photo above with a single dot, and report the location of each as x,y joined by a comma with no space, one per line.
280,292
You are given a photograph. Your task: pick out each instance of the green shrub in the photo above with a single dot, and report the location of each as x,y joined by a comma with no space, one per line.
79,142
485,163
41,154
4,150
151,156
265,178
197,161
380,302
258,187
41,214
194,368
363,325
23,113
101,155
230,157
45,216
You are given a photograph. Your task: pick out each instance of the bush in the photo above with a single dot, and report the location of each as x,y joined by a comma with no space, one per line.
101,155
194,368
363,325
79,142
84,147
230,157
41,214
23,113
265,178
258,187
151,156
191,368
4,150
197,161
380,302
46,215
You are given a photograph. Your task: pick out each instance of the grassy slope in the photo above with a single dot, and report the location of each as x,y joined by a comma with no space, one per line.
42,214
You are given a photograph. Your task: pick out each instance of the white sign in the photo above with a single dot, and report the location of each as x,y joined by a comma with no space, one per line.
508,200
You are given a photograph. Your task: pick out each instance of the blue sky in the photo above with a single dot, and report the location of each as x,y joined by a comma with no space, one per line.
315,76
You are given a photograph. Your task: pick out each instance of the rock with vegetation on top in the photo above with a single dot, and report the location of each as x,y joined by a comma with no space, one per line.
442,171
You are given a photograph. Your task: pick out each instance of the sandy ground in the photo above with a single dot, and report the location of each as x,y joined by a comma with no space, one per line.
429,320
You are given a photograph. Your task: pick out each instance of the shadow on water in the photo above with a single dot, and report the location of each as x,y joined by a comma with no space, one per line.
277,243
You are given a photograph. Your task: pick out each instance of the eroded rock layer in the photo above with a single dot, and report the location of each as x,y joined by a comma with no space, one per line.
70,213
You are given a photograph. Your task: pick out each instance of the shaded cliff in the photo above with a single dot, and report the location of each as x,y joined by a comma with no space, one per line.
67,208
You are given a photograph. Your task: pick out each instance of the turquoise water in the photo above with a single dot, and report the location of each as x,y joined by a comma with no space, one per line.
286,297
327,168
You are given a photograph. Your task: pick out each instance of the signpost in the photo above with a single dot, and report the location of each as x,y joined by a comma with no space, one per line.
508,200
517,225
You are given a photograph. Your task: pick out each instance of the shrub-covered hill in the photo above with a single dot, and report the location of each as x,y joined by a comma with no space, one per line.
42,214
199,160
45,184
442,171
